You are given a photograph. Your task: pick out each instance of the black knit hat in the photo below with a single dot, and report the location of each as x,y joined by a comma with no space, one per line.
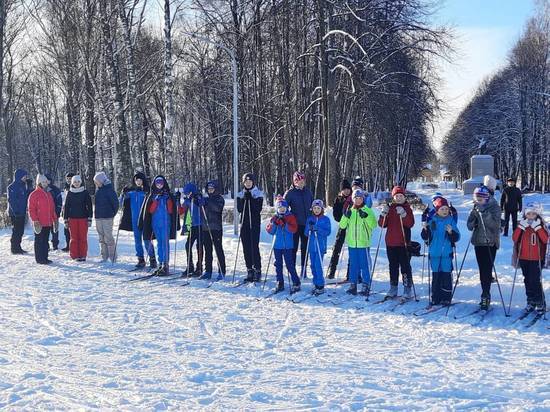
511,179
249,176
345,184
358,181
69,175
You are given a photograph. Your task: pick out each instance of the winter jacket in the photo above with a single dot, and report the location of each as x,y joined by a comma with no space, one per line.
490,213
250,217
359,229
320,224
132,199
299,201
511,199
192,212
441,242
150,206
42,207
284,232
533,243
55,192
214,208
340,206
106,202
78,204
18,194
392,221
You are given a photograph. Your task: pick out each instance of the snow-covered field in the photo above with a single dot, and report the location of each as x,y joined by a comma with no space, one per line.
79,336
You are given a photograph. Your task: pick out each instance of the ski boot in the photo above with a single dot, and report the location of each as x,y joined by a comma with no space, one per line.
65,249
445,303
206,276
352,289
407,292
318,290
140,264
530,307
152,262
251,276
164,270
295,288
365,290
280,286
221,276
485,303
540,307
392,293
257,276
188,272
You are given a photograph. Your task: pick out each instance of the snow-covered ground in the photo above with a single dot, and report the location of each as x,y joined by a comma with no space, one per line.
79,336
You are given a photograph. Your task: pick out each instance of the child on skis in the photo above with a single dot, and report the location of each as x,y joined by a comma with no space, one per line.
249,204
398,218
441,233
317,229
359,222
484,223
159,220
133,197
77,214
212,230
192,225
283,226
530,241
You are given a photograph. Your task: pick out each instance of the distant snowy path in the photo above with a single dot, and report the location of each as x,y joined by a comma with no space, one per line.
76,336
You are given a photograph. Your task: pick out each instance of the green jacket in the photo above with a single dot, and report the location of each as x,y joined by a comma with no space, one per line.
359,230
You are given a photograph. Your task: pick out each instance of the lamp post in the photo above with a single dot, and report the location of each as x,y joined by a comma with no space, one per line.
235,123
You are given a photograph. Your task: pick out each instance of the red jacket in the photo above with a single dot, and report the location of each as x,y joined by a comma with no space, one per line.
42,208
531,247
394,234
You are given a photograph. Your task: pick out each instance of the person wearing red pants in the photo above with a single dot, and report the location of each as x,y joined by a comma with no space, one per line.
77,213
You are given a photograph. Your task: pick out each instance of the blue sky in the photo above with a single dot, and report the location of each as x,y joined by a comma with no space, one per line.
486,30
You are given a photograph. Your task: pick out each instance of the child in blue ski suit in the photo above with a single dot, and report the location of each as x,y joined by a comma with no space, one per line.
283,226
133,197
442,233
317,229
192,225
159,220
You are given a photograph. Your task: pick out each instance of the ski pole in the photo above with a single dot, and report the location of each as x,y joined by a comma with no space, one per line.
408,256
376,254
269,260
459,272
304,267
239,240
116,243
515,273
493,263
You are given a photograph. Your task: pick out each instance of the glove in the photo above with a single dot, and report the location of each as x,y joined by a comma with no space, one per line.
385,210
362,214
55,226
401,211
37,227
247,195
523,224
89,222
424,224
312,227
177,196
425,214
536,224
449,228
348,213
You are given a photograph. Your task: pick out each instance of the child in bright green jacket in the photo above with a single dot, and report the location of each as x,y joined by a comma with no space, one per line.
359,222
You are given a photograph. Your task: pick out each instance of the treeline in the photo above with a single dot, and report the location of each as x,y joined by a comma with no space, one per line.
333,88
509,116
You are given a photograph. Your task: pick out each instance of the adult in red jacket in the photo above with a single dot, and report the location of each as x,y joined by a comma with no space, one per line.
44,219
530,242
398,218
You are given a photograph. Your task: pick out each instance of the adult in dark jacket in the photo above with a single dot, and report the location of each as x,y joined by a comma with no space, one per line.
212,230
339,207
106,208
66,231
133,197
299,199
58,201
77,214
18,195
159,220
250,201
510,203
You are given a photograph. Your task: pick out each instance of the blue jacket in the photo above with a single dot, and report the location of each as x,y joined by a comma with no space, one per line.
284,235
18,195
136,197
57,198
441,243
299,201
322,225
106,202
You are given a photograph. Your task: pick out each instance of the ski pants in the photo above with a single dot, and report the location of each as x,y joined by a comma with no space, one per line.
139,242
316,262
398,257
358,265
17,231
485,256
300,238
213,243
107,245
41,245
442,287
79,237
196,235
251,249
514,215
531,278
288,256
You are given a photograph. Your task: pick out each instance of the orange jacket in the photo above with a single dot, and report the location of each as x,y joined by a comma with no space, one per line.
533,243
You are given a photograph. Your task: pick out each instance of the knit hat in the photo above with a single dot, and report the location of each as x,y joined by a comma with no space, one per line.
298,177
357,181
49,177
102,178
41,180
345,184
317,202
140,175
212,184
511,179
76,178
281,203
190,188
439,203
533,207
397,190
436,196
358,193
482,192
490,182
69,175
249,176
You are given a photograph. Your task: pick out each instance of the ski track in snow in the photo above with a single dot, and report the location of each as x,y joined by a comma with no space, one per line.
79,336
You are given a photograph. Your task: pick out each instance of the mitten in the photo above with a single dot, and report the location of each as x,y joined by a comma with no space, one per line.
37,227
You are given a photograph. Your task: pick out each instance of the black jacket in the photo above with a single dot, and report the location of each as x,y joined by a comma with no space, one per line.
340,206
214,209
511,199
78,205
250,218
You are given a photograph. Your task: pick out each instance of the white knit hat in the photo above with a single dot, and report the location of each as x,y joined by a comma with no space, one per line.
41,179
76,178
102,178
533,207
490,182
